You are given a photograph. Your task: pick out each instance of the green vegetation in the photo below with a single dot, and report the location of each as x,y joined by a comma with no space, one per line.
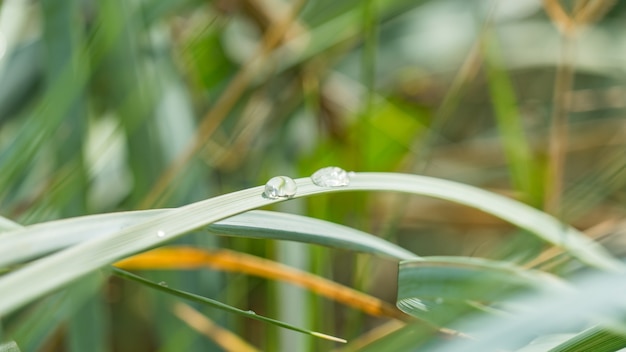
484,210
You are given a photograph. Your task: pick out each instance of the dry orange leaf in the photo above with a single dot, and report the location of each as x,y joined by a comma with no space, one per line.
224,338
184,257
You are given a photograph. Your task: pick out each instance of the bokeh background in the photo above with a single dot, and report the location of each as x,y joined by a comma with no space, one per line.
136,104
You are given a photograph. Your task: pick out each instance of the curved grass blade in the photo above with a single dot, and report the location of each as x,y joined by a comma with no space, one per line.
537,222
27,242
597,339
217,304
597,297
282,226
182,257
54,271
36,240
439,289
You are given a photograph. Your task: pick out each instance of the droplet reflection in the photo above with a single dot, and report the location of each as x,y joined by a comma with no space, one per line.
280,187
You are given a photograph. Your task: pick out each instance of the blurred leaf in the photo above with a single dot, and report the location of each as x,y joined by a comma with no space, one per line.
408,338
393,130
210,64
9,347
224,338
523,169
439,289
33,328
192,258
8,225
593,339
596,296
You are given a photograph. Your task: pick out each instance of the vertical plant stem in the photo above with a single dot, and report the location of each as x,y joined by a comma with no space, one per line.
517,149
557,148
368,73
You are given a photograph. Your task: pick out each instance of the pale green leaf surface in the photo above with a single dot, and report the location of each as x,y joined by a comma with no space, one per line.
597,297
439,289
9,347
24,243
7,225
52,272
39,239
544,343
597,339
281,226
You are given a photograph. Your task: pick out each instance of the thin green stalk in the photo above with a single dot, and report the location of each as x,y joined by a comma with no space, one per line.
516,146
216,304
368,73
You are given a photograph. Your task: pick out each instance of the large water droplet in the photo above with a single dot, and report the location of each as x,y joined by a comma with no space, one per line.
160,233
331,177
280,187
251,312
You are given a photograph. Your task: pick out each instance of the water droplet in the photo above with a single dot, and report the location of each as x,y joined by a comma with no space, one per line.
439,300
280,187
251,312
160,233
331,177
163,283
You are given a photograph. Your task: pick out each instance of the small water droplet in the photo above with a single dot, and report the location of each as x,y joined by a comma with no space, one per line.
160,233
439,300
280,187
251,312
163,283
331,177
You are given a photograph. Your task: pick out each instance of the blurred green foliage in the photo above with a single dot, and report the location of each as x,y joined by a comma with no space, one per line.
122,105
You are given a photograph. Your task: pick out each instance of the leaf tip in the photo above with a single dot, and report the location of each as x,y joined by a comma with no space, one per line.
328,337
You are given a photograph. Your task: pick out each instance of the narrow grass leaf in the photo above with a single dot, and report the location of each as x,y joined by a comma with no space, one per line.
281,226
24,243
36,240
192,258
217,304
597,296
56,270
597,339
516,147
